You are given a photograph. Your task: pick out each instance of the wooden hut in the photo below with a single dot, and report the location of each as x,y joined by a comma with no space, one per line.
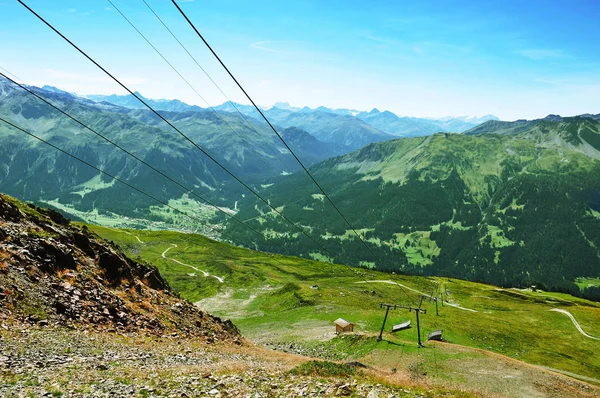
343,326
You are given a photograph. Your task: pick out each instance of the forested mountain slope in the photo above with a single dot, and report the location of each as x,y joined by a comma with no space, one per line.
516,208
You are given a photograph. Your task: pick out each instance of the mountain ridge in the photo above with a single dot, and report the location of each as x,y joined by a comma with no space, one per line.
404,126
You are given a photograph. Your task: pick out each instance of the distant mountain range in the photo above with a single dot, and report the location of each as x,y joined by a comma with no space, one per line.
342,126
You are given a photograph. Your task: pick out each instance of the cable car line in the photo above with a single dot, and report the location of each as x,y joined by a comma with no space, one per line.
259,157
106,173
301,230
216,85
188,190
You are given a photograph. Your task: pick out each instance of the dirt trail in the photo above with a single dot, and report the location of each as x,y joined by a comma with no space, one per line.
417,291
206,274
126,232
567,313
571,374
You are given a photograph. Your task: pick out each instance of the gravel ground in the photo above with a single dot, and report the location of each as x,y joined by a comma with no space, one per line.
49,361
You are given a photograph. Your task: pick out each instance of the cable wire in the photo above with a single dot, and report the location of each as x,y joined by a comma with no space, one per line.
216,85
187,138
259,157
301,230
273,128
12,74
106,173
188,190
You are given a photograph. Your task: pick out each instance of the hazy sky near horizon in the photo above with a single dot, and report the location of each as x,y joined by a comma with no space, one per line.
513,59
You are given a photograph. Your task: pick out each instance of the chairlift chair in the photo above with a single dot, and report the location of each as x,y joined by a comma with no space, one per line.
435,335
401,326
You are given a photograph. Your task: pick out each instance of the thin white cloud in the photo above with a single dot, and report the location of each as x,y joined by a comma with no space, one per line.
58,74
272,46
574,84
539,54
381,40
266,46
74,11
550,82
439,48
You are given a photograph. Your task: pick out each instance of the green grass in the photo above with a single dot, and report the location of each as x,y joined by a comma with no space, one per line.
274,298
498,239
93,184
31,307
41,234
25,208
587,282
417,246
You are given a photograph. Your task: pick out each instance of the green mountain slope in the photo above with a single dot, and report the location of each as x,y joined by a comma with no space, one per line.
31,170
509,209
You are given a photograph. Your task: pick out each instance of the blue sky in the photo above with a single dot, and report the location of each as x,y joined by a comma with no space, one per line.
513,59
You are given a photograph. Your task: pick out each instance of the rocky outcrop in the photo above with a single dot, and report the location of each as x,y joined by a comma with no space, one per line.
52,272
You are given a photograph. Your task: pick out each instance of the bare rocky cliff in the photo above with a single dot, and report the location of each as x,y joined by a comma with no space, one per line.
56,273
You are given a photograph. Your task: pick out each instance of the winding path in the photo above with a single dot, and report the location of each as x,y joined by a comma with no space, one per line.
567,313
417,291
206,274
127,232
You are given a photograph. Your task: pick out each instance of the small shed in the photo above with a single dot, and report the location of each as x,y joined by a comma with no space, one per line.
343,326
435,335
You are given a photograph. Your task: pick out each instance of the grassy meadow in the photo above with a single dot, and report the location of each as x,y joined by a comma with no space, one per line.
283,301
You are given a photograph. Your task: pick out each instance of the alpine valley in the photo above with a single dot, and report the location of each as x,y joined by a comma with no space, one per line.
507,203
